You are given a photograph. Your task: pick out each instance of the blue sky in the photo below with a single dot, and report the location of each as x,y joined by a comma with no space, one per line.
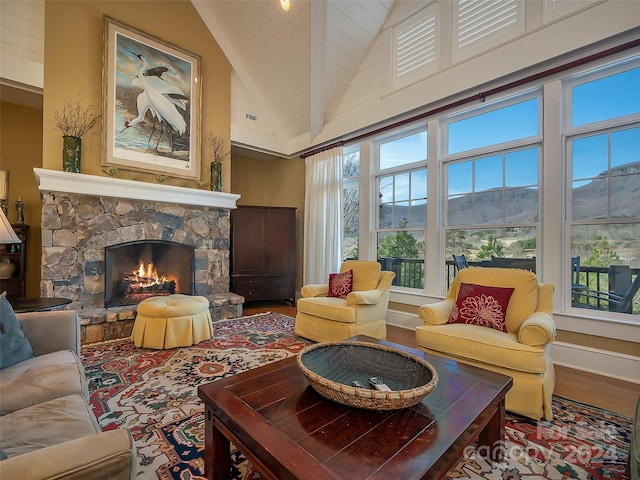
599,100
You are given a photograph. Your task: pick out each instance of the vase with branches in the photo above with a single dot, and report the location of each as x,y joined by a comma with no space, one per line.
219,153
73,120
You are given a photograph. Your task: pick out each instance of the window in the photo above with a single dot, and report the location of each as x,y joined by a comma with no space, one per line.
486,165
492,185
351,201
401,218
603,206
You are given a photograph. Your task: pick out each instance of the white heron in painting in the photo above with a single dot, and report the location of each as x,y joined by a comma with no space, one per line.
161,98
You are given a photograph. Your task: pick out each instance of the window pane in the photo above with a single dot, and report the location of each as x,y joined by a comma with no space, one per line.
488,173
419,213
590,199
625,145
401,187
405,150
459,210
611,97
625,196
403,253
351,161
521,205
497,126
590,157
609,263
401,215
513,247
521,168
351,218
459,178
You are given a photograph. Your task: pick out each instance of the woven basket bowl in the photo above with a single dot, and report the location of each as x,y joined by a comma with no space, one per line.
332,367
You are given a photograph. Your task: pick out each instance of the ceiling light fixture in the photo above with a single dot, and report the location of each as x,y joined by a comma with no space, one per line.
285,4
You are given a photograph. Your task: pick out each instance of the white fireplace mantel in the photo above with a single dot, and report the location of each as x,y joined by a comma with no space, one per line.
59,181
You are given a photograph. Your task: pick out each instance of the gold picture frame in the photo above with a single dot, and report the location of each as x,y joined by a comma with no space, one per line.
152,94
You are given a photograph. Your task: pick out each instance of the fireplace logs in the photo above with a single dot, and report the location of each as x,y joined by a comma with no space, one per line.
145,282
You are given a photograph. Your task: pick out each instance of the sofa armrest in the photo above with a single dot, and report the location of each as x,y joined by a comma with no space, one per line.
436,313
51,331
102,455
315,290
364,297
539,329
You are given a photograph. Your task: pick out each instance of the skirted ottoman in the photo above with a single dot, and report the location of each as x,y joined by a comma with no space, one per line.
172,321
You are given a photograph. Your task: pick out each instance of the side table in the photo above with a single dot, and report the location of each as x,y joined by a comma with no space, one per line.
22,305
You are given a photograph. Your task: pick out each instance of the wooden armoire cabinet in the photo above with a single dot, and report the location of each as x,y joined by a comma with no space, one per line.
263,252
16,253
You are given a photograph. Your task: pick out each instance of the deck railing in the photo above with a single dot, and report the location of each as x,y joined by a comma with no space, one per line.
612,279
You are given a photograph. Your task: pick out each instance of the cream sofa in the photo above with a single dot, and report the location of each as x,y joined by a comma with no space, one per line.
523,352
47,428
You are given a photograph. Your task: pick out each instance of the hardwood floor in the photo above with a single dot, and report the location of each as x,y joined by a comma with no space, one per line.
585,387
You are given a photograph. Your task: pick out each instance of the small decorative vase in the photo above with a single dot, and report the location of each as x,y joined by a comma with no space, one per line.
216,176
6,268
71,149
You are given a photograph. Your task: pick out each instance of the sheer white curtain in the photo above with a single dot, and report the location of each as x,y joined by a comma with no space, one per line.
323,216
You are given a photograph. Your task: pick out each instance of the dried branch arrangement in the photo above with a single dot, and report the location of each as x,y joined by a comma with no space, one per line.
217,147
74,120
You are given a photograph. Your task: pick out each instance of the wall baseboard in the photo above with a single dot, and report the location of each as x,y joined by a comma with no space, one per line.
600,362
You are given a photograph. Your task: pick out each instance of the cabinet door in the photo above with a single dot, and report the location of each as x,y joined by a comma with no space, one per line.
249,247
281,241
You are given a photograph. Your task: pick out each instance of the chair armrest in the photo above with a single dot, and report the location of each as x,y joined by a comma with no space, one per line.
364,297
539,329
102,455
51,331
315,290
436,313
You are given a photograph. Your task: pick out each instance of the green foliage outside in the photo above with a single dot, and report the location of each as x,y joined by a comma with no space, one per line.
491,248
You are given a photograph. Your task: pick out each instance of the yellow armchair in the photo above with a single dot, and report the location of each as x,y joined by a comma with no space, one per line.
523,352
326,319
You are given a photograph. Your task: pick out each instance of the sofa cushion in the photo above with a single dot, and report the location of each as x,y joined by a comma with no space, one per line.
366,275
327,307
340,284
40,379
481,305
49,423
14,347
481,344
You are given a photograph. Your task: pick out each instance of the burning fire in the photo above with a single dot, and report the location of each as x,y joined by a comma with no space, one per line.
148,276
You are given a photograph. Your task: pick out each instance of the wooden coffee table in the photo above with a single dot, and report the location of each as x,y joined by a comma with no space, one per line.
288,431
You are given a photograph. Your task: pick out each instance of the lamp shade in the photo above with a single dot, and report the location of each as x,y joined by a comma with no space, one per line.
7,235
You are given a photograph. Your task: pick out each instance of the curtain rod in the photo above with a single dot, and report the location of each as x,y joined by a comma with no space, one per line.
482,96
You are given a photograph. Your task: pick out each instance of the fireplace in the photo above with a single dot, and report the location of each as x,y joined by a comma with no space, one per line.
83,216
142,269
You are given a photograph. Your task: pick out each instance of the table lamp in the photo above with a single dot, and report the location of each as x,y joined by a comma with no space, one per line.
7,235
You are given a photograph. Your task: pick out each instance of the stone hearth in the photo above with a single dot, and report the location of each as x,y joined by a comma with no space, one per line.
83,214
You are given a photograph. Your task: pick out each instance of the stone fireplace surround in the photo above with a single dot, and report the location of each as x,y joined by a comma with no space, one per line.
83,214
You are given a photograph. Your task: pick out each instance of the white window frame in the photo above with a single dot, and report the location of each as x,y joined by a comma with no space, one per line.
377,173
569,133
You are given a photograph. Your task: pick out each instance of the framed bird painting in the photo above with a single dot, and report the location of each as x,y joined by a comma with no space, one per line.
151,104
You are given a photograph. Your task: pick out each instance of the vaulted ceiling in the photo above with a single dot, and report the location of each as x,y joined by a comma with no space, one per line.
291,69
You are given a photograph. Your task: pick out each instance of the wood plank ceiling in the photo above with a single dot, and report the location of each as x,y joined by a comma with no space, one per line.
295,66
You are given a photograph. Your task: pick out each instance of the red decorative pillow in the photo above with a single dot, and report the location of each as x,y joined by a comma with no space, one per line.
341,284
481,305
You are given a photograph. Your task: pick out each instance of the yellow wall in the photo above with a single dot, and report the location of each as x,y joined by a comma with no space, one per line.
20,152
73,69
276,183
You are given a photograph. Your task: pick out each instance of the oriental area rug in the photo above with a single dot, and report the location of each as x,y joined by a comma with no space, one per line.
153,393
